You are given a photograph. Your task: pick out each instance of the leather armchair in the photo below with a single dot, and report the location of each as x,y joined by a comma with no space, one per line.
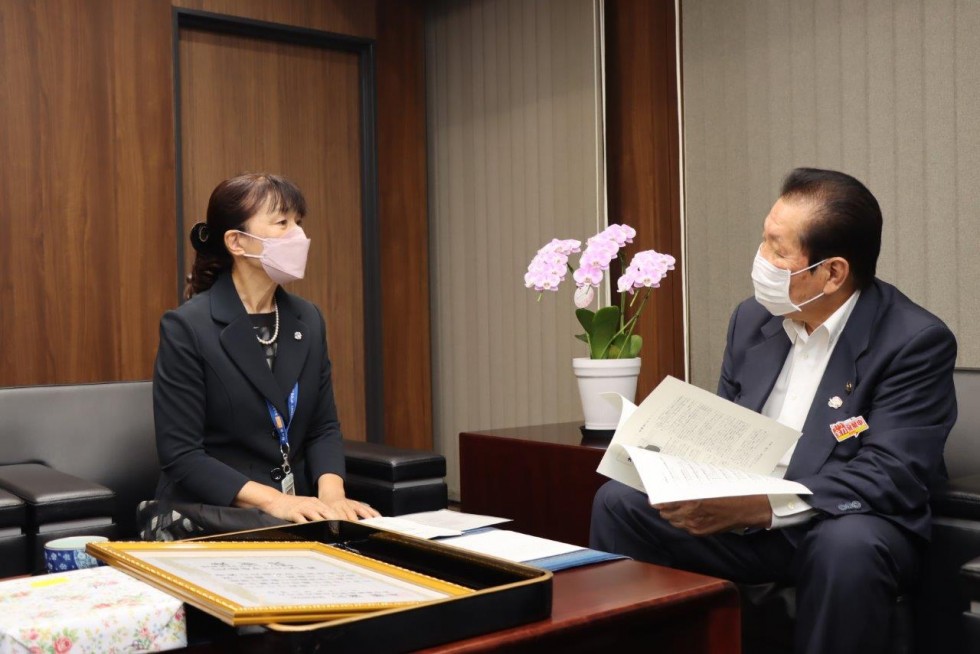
970,585
944,601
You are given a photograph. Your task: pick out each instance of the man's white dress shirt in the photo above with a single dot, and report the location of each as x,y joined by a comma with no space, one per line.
791,397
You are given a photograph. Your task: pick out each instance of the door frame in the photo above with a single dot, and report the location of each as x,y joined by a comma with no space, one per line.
370,238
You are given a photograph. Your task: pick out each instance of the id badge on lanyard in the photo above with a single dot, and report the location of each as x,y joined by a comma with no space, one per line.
284,473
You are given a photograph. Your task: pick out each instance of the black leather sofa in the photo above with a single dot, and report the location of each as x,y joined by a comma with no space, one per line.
79,458
936,617
944,622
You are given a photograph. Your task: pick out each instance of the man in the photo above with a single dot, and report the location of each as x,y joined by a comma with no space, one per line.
822,342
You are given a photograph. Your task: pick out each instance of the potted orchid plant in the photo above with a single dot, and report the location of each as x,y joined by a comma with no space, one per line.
613,363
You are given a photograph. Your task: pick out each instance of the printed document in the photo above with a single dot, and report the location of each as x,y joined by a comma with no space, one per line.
435,524
455,520
511,545
684,443
410,527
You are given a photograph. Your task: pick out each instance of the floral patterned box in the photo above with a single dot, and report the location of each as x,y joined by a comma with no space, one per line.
91,610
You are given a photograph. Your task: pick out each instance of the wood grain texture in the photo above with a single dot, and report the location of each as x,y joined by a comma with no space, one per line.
501,469
403,221
88,234
642,150
620,606
625,606
350,17
254,105
86,189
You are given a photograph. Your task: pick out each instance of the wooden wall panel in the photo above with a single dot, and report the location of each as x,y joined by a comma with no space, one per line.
351,17
642,155
261,106
88,198
86,189
403,220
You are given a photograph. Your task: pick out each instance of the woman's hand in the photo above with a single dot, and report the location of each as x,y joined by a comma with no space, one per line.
294,508
348,509
299,508
330,490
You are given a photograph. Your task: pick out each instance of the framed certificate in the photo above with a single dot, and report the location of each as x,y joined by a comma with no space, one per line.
261,582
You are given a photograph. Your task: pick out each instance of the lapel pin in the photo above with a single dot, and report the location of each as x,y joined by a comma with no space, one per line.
848,387
835,402
298,336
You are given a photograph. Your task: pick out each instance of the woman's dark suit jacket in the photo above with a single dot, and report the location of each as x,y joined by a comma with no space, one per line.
210,388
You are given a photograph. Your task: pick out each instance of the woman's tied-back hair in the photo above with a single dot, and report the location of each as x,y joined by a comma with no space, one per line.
233,202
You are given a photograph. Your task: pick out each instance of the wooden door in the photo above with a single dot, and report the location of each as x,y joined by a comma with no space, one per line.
251,104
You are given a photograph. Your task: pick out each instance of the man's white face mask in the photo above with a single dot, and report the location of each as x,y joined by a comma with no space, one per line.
772,286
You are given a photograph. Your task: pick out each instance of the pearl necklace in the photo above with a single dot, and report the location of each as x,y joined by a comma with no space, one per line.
275,333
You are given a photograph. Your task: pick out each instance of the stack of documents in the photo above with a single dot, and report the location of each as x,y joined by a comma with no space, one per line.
473,532
523,548
435,524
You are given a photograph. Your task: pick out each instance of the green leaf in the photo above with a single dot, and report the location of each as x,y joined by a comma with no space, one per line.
629,350
583,337
585,317
605,325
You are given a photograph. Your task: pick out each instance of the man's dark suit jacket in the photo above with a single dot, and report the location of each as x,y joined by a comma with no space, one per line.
210,387
893,365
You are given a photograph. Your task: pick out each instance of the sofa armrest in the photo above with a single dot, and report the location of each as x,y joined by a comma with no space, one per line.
395,480
13,513
52,496
392,464
970,581
958,498
13,540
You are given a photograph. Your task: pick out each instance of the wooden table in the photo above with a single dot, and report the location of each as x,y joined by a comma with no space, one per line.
618,606
625,606
542,477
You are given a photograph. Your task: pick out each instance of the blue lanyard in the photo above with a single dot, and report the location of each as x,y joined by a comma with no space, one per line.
282,428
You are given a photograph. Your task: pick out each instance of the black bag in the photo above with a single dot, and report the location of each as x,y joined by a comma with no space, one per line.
180,520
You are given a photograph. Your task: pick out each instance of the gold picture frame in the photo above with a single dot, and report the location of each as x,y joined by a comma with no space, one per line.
260,582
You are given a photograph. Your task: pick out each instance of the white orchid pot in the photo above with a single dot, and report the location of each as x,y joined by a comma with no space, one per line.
598,376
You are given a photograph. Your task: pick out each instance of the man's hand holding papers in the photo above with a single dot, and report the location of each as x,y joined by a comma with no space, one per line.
713,516
703,461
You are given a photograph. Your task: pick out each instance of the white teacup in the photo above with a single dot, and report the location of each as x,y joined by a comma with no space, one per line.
63,554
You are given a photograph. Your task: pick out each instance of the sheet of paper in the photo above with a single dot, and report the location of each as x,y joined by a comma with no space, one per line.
511,545
456,520
685,421
411,528
287,578
626,408
669,479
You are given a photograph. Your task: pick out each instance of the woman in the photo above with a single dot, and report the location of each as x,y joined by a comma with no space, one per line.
246,425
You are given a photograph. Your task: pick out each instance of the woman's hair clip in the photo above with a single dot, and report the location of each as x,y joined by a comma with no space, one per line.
200,235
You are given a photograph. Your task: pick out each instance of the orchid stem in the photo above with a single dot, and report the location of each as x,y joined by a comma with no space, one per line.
632,323
622,294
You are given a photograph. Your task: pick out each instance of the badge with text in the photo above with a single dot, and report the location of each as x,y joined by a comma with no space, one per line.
847,428
288,484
